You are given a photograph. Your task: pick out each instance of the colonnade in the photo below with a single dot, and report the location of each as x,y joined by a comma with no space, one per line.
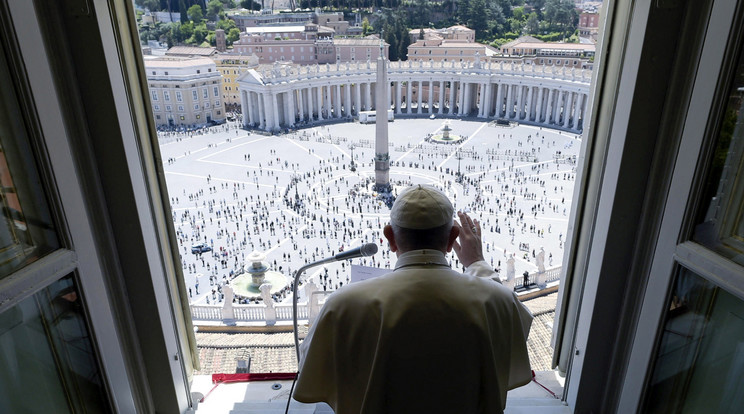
549,102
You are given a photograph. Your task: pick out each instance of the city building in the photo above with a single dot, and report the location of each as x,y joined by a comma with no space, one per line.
456,33
358,49
589,25
191,51
306,44
95,314
231,66
529,46
334,20
184,91
439,50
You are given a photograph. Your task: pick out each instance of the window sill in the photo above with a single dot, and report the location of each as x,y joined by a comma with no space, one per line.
259,397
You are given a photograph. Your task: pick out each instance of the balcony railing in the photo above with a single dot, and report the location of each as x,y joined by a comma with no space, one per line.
271,313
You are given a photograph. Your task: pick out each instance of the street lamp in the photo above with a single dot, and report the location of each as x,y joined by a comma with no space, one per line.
459,173
352,167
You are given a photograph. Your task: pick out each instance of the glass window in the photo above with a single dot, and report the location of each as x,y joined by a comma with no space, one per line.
47,361
216,91
194,95
166,95
700,364
721,225
26,229
154,95
205,93
179,98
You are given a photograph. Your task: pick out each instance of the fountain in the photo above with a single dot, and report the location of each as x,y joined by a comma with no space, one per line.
445,136
257,273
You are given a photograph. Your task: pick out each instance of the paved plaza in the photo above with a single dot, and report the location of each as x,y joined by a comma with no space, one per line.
295,198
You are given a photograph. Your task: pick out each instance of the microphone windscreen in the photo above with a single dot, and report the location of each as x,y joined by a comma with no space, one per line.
369,249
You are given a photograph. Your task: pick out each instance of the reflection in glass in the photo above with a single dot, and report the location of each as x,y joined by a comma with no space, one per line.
721,226
47,363
26,232
699,367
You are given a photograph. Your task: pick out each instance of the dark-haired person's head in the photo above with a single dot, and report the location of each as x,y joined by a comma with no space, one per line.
421,218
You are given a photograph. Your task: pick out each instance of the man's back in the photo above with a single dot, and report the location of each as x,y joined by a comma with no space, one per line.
423,339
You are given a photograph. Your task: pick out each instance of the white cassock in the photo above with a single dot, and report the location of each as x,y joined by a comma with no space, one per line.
422,339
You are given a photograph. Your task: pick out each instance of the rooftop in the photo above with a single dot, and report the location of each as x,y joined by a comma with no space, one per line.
191,51
175,62
219,352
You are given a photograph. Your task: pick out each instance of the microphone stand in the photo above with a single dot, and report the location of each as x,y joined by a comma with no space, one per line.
295,283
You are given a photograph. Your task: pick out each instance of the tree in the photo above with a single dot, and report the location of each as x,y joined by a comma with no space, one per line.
366,27
195,13
226,24
233,35
478,17
421,34
533,23
250,5
152,5
214,8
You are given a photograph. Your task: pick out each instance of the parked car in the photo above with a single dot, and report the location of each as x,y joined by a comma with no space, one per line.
200,248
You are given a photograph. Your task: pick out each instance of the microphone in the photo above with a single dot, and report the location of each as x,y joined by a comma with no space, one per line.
364,250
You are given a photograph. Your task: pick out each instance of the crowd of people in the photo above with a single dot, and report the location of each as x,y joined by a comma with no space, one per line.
299,209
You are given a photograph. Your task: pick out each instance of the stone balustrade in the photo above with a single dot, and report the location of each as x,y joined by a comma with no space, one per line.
280,74
308,311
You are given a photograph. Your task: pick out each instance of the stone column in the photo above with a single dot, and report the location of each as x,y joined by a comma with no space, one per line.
461,98
398,101
487,100
468,99
575,110
530,92
567,108
522,94
368,97
557,109
309,92
539,104
338,105
275,107
300,105
358,97
499,100
418,97
549,107
319,99
261,100
509,102
292,113
347,100
482,100
328,98
409,88
453,87
431,97
245,108
440,109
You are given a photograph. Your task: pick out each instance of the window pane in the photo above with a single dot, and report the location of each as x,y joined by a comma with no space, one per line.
700,363
47,363
722,227
26,232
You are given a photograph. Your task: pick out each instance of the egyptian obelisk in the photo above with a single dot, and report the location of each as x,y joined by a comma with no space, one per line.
382,104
